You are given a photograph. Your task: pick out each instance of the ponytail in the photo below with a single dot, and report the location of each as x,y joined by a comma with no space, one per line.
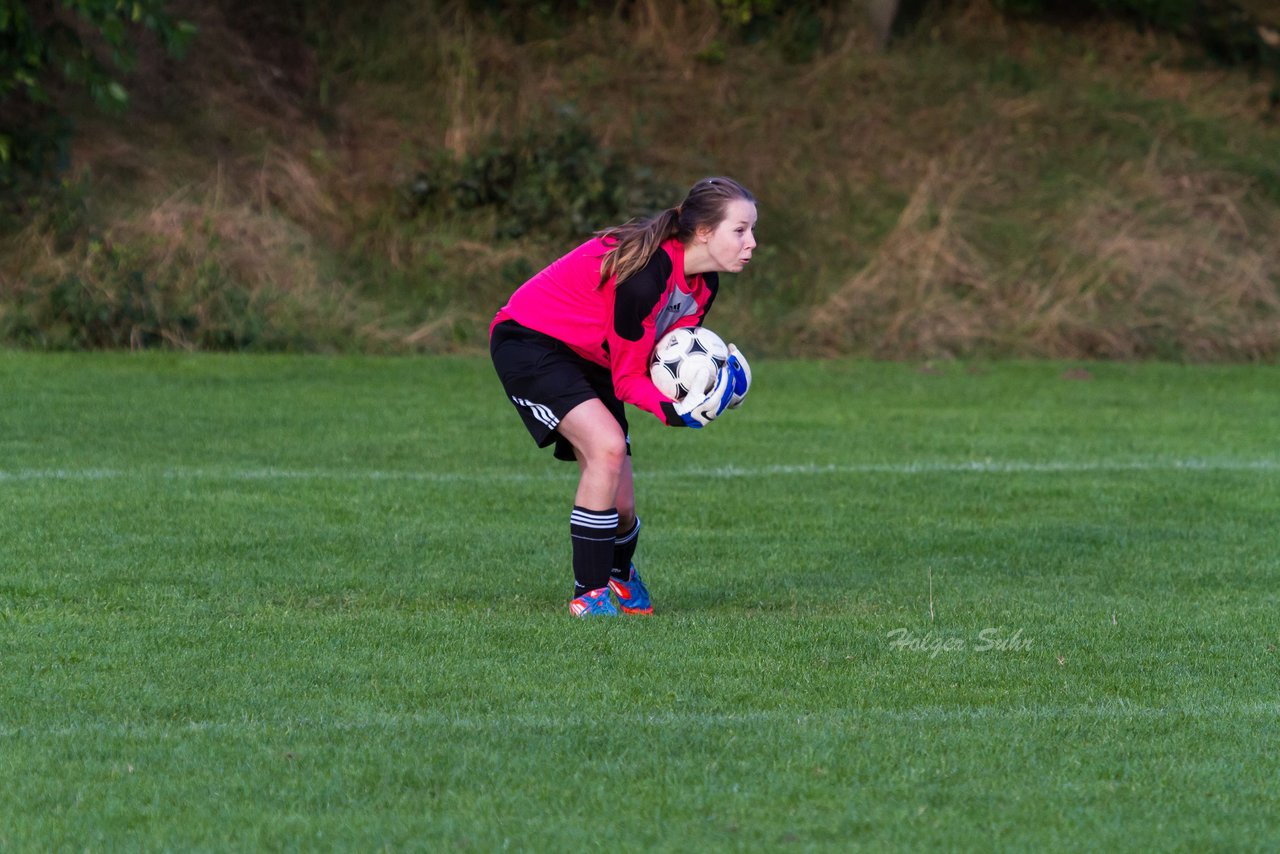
633,243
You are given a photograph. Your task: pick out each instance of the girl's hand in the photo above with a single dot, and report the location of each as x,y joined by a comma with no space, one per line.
700,411
741,372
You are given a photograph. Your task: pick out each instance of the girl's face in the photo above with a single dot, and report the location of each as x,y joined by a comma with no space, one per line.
730,244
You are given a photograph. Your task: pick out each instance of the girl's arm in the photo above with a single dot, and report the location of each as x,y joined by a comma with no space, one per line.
637,302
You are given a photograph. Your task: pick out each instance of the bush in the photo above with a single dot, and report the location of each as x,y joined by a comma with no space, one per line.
553,179
115,299
183,276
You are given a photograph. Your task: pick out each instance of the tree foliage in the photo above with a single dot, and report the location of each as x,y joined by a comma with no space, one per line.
1234,32
51,49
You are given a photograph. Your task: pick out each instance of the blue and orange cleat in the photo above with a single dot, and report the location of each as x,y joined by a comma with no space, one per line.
633,596
593,603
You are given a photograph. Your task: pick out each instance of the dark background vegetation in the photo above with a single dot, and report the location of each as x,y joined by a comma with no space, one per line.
1018,178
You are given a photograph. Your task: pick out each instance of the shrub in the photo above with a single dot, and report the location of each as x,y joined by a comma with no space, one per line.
182,276
553,178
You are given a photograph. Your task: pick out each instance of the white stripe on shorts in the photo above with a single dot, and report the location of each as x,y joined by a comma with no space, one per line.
540,412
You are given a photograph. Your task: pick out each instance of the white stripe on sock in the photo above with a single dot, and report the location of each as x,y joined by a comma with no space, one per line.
598,521
622,541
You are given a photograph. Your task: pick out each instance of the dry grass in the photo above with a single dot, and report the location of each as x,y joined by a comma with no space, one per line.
188,275
1161,265
926,290
966,193
1194,274
260,250
1169,254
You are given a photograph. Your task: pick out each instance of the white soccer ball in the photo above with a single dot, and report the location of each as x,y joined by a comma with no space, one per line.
687,360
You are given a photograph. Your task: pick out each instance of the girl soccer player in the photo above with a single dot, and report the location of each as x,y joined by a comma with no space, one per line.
573,344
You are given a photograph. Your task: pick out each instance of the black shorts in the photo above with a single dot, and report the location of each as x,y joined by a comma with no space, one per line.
545,379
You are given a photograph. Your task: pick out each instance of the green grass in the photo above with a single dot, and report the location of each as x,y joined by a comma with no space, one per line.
320,603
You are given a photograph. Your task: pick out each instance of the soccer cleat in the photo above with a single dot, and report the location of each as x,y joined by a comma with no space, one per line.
633,596
593,603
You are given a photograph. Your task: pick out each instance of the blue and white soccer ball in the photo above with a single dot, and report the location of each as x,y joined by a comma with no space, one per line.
687,361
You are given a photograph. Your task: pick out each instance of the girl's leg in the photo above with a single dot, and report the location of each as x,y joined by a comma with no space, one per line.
626,501
624,547
601,449
633,596
628,533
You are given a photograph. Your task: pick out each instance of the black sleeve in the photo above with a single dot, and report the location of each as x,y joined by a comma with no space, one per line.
638,294
713,285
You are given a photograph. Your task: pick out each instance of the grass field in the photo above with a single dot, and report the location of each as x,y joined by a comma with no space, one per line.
320,603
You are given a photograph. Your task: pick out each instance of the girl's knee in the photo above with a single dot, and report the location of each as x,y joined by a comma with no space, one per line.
609,453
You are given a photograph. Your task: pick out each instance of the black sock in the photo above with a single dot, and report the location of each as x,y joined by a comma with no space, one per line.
593,532
624,549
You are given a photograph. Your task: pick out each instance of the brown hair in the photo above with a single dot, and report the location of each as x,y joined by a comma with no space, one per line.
635,241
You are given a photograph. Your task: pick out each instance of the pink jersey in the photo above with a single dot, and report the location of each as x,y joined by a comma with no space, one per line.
618,324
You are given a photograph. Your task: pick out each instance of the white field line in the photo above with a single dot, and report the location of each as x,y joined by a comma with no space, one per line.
715,472
1116,710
